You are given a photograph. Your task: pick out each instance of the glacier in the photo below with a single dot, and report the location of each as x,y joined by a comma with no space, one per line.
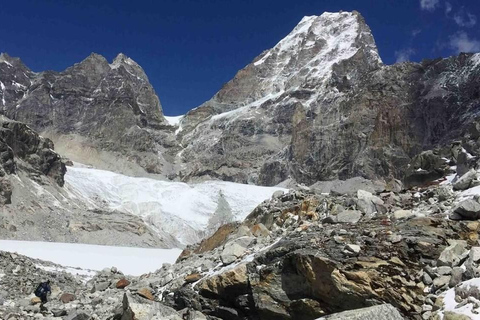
175,208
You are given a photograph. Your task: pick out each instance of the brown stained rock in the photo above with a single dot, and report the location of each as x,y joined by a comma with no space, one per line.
146,293
193,277
231,281
35,300
67,297
218,239
259,230
122,283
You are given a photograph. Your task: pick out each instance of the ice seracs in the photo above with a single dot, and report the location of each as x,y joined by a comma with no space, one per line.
176,209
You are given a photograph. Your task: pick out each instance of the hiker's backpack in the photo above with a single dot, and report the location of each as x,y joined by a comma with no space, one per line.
40,290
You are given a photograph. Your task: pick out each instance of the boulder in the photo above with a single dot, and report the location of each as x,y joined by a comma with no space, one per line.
146,293
59,312
135,308
403,214
231,282
468,209
101,286
67,297
368,203
457,275
235,249
349,216
468,180
348,186
193,277
259,230
452,255
424,168
440,282
35,300
122,283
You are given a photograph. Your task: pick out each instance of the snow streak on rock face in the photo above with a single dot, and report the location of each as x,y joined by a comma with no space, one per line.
317,42
173,209
247,127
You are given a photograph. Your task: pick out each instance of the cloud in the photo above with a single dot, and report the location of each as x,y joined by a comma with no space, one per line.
429,5
460,42
404,54
415,32
465,19
448,7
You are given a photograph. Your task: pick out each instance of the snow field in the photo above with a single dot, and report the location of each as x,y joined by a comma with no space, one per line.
129,260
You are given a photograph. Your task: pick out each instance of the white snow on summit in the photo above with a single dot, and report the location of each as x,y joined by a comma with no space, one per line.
174,208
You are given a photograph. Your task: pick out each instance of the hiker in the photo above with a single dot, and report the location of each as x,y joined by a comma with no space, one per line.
42,290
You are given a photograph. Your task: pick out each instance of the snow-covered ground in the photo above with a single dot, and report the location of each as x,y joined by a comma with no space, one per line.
174,120
174,208
131,261
452,305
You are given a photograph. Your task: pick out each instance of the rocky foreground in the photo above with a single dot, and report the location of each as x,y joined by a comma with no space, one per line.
387,252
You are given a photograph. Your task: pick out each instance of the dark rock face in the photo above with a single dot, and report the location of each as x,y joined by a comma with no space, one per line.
21,148
110,107
359,118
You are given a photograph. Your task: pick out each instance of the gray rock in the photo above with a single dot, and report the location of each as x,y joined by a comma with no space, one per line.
444,270
441,281
59,312
380,312
235,249
101,286
468,209
427,280
468,180
347,187
453,254
403,214
77,315
278,194
457,275
349,216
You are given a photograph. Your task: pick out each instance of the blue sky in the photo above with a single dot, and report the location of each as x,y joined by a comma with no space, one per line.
189,49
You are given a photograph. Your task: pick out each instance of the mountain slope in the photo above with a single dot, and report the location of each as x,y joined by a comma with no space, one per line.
253,118
106,114
320,105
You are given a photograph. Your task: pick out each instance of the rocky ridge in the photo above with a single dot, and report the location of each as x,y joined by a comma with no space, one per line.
105,114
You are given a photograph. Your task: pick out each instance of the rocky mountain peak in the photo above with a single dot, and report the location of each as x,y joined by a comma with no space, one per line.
307,57
130,66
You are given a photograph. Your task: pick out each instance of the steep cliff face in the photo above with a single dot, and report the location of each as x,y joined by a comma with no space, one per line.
247,126
320,105
96,112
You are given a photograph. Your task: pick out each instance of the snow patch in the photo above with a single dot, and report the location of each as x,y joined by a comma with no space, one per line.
262,60
451,305
475,59
85,274
175,120
131,261
2,86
